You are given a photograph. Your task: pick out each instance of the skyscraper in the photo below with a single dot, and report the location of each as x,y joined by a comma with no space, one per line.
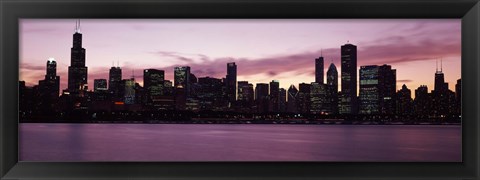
245,95
332,88
318,99
458,96
181,86
100,90
441,94
369,90
114,81
153,81
210,94
49,88
182,78
377,89
99,85
404,101
282,100
319,70
292,95
422,101
129,91
348,100
261,97
77,71
387,90
440,85
303,98
274,95
245,91
231,82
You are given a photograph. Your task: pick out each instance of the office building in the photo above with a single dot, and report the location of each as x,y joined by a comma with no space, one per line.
319,70
404,101
49,88
348,100
99,85
114,81
245,96
261,97
292,95
332,88
369,97
231,82
153,81
422,102
274,96
303,98
377,90
318,99
77,71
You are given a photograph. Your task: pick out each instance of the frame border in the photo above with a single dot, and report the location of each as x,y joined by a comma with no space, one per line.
11,11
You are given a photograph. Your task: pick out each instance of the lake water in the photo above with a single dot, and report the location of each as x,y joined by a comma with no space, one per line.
238,142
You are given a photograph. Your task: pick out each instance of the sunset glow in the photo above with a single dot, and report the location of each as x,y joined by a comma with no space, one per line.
264,50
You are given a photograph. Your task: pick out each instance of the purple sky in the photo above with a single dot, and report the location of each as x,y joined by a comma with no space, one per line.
263,50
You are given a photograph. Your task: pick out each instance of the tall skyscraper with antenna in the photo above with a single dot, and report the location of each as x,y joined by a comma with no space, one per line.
319,69
77,71
114,81
440,85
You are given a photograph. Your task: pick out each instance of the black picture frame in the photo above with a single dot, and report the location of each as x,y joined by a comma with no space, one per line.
11,11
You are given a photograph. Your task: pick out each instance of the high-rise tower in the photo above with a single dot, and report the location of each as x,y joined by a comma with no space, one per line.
49,88
231,83
332,88
77,71
114,81
348,101
440,85
319,70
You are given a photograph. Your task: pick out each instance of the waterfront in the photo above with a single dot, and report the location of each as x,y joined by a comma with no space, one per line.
239,142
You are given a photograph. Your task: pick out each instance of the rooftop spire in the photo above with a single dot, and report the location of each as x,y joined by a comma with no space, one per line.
77,26
441,65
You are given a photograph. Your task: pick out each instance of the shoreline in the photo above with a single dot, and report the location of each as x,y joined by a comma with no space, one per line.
248,122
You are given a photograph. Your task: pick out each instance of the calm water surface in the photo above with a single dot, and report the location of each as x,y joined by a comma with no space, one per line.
247,142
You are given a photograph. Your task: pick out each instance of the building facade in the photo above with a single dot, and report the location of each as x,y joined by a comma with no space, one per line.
77,71
348,101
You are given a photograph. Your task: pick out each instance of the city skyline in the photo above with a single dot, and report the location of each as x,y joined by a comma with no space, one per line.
31,72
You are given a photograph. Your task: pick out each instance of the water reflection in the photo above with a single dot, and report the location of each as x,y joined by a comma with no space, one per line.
170,142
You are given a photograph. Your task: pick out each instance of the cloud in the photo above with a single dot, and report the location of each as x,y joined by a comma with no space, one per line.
422,41
392,51
32,67
272,73
404,81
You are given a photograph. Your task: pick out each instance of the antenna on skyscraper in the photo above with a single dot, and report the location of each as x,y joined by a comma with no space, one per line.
77,26
321,52
436,65
118,63
441,65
